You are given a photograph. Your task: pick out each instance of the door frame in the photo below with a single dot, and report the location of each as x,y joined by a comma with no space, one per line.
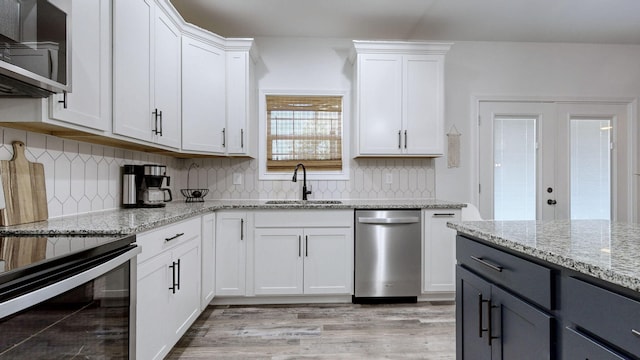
632,187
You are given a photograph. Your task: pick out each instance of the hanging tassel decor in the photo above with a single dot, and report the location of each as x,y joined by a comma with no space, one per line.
453,147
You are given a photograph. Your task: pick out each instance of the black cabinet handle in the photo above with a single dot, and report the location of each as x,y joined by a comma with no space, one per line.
490,323
299,245
242,138
175,271
480,329
178,283
224,137
64,100
399,139
173,281
405,139
156,115
497,268
241,229
173,237
161,127
444,215
306,245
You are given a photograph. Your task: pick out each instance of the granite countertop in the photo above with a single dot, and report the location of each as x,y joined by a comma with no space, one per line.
128,221
599,248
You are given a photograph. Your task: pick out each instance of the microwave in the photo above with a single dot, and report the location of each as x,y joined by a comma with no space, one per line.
35,49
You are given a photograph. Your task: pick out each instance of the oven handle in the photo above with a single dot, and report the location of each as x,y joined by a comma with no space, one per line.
25,301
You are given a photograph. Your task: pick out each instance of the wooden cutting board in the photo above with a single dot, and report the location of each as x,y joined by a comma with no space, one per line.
24,189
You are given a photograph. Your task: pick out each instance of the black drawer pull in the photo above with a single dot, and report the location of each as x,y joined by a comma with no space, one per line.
635,332
173,237
444,215
497,268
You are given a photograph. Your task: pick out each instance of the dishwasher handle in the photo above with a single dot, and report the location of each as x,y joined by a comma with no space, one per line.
394,220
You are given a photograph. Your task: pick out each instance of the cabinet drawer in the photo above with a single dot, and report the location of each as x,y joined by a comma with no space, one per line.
155,241
303,218
526,278
613,317
578,346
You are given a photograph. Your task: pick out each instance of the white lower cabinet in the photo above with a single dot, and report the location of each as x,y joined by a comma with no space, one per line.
312,259
168,287
208,259
231,249
439,256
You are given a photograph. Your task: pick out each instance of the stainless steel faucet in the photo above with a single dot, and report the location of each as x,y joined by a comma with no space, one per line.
304,180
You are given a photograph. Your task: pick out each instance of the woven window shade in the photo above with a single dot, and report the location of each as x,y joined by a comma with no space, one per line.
304,129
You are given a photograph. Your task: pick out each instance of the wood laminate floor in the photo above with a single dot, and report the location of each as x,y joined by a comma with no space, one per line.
321,331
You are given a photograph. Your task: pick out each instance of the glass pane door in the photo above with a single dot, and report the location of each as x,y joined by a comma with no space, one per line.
590,168
514,185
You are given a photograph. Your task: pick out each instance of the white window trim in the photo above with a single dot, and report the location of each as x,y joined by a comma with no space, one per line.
262,136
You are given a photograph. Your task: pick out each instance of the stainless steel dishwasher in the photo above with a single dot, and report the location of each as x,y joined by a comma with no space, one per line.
387,255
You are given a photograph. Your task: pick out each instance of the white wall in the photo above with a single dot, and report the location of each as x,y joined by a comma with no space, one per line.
527,70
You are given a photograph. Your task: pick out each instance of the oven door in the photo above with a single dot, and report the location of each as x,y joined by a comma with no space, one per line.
89,313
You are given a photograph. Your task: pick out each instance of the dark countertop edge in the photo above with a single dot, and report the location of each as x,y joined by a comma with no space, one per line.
593,270
196,209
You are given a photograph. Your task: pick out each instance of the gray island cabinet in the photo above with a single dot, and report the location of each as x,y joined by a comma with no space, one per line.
547,290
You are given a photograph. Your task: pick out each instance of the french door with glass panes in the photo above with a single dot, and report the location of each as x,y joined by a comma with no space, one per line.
551,160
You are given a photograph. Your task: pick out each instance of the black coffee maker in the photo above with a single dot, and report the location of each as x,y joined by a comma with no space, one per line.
142,186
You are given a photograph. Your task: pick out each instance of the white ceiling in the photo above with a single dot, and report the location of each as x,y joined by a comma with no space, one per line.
584,21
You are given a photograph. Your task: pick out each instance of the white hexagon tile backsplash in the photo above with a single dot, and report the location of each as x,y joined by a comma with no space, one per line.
79,177
83,177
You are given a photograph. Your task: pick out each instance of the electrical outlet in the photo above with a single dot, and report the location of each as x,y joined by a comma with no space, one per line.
388,178
237,179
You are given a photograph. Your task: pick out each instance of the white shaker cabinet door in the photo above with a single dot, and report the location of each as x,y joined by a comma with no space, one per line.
231,245
132,97
185,304
328,261
439,257
423,132
379,106
278,261
208,269
166,82
153,336
203,97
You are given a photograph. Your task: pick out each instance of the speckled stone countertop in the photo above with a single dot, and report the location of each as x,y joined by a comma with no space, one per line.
127,221
605,250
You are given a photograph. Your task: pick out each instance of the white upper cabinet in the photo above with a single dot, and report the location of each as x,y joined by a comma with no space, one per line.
166,81
146,73
241,100
399,98
218,100
203,96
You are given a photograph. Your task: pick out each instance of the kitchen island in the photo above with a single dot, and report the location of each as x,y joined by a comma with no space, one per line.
548,290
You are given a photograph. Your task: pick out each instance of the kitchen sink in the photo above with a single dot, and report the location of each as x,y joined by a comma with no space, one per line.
302,202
